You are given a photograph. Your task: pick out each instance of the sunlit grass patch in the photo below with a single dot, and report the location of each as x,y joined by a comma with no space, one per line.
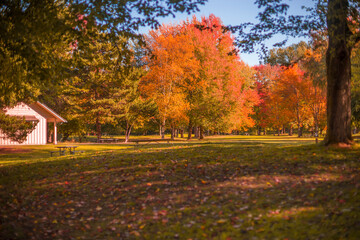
218,188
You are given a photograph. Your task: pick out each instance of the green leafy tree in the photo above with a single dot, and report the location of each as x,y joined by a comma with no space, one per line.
14,128
73,127
37,36
286,56
93,93
133,109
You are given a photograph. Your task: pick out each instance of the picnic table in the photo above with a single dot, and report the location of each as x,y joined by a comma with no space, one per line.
62,150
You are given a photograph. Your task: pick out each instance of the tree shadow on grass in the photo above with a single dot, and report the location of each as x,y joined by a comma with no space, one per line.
202,191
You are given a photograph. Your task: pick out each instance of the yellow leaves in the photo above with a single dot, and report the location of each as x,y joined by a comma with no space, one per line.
222,221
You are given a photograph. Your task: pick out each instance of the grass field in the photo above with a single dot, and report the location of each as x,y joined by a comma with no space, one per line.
226,187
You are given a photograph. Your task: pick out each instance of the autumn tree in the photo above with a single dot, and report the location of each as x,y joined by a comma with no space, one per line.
334,15
314,66
222,99
294,88
195,75
172,65
265,76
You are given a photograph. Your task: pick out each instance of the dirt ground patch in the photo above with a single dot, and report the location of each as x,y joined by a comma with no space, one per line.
8,150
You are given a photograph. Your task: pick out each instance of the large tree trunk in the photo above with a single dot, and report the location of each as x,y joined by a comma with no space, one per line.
189,130
338,74
299,130
196,132
172,132
201,132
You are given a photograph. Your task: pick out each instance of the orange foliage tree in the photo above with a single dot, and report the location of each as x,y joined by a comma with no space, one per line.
293,91
315,68
170,62
265,76
195,76
225,99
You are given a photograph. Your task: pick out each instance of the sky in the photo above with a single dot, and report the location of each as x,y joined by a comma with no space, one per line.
234,12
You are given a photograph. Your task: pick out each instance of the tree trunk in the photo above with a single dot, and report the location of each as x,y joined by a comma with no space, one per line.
338,66
316,128
201,132
127,132
182,133
172,133
299,131
290,131
196,131
163,129
189,130
98,129
259,131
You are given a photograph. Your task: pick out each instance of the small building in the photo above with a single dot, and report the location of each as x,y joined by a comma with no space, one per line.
42,115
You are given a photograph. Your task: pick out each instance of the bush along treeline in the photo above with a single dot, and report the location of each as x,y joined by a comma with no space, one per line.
189,78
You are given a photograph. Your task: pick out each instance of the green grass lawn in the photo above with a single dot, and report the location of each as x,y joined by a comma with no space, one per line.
225,187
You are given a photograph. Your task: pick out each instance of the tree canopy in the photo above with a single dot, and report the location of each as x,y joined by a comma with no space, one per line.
37,38
340,20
